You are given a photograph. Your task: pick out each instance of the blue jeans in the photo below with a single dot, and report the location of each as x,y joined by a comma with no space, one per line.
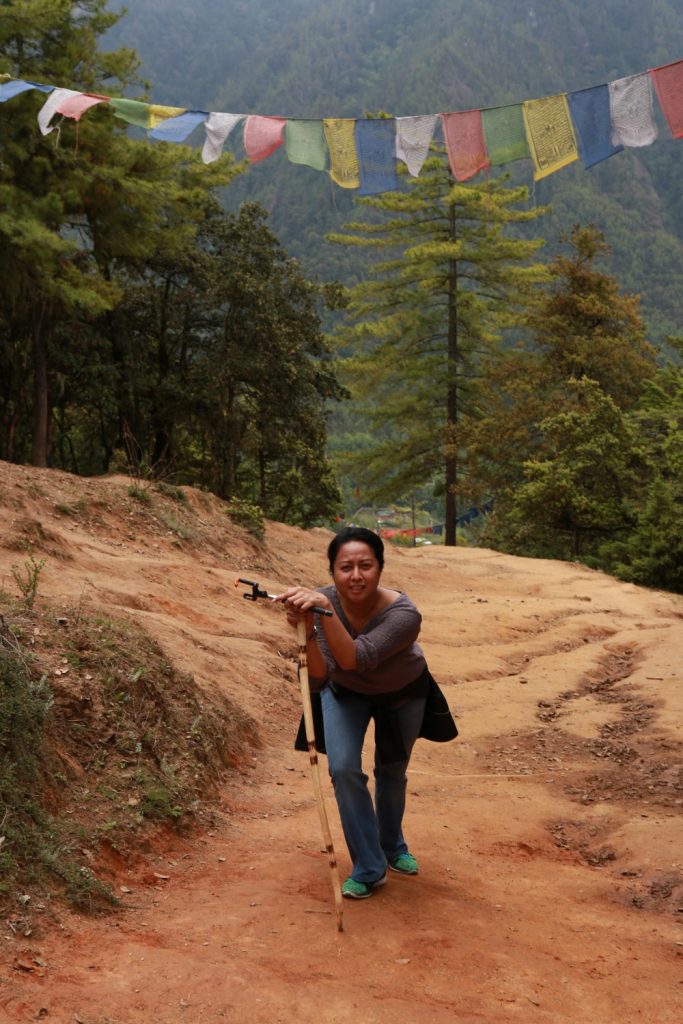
373,833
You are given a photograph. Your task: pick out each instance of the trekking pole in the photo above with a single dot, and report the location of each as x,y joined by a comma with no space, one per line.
256,592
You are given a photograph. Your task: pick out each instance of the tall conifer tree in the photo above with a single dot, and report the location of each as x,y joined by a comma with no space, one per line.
452,279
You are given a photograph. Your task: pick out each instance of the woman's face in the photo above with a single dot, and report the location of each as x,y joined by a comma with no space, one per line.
356,572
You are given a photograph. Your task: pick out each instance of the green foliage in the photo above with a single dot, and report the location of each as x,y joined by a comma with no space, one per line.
243,513
31,845
134,314
27,579
583,467
652,553
159,802
227,370
121,740
590,472
176,493
140,494
587,327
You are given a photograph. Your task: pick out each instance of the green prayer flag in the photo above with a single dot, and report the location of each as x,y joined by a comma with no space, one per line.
133,111
505,134
305,143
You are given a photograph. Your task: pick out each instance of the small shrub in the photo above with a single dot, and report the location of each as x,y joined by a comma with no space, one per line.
243,513
176,493
172,524
28,580
158,804
24,706
65,509
140,494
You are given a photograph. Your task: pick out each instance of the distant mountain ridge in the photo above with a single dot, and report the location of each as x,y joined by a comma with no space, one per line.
329,58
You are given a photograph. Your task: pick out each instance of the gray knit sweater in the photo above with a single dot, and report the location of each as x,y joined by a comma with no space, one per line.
387,655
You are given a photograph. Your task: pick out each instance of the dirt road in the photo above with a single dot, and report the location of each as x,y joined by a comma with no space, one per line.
549,834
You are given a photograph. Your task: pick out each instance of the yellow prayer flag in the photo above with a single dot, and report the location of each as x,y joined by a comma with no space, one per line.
550,133
340,134
158,114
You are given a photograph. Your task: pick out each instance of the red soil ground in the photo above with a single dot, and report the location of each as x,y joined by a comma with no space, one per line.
549,834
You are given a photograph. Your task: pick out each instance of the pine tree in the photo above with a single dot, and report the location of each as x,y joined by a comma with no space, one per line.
556,447
652,553
75,207
588,478
453,278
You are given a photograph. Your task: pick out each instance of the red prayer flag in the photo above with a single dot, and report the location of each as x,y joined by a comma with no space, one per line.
464,135
75,106
262,136
669,85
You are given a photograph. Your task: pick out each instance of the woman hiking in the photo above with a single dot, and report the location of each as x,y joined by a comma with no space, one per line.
365,662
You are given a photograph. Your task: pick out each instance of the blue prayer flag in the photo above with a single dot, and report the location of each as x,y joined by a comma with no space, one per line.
376,148
8,90
590,110
177,129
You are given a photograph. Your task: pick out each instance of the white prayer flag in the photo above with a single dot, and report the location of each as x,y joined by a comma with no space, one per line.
217,129
49,108
413,136
631,111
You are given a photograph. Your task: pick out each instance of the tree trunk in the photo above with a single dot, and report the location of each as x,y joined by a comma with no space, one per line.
162,449
412,515
262,478
40,393
450,538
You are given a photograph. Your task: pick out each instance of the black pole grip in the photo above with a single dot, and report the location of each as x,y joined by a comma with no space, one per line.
256,592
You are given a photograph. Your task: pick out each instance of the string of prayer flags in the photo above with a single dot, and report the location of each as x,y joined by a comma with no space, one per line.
590,110
262,136
550,133
633,122
505,134
669,86
341,143
413,139
376,148
362,153
305,143
216,131
465,144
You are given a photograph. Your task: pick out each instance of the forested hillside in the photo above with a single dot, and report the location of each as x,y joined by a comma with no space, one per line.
314,58
498,356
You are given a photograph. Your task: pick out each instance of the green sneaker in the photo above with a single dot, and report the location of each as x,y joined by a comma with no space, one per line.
405,864
354,890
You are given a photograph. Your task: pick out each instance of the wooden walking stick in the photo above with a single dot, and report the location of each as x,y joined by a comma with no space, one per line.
312,750
315,772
